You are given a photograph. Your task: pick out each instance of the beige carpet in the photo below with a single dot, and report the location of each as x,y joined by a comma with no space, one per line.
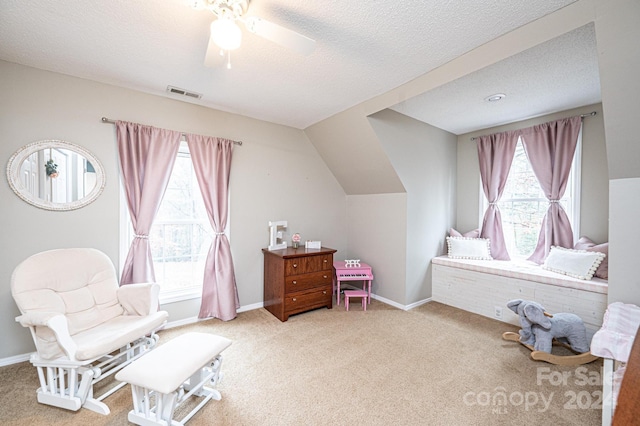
433,365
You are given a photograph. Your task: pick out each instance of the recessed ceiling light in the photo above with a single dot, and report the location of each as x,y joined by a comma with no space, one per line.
495,98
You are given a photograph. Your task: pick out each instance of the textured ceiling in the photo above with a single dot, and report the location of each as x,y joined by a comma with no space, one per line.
363,49
554,76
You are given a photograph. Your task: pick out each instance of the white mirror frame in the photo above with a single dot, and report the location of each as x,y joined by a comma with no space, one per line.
16,160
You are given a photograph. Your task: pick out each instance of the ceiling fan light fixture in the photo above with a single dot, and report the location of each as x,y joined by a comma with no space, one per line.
226,34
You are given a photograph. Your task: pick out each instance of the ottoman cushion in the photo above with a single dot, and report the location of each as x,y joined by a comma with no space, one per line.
165,368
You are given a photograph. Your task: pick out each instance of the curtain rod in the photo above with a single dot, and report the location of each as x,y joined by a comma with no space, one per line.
184,135
591,114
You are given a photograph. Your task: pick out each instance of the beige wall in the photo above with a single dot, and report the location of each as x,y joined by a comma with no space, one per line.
424,157
594,212
349,146
276,175
624,280
377,235
617,34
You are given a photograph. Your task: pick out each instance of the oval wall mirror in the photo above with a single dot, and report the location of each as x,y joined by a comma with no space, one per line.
55,175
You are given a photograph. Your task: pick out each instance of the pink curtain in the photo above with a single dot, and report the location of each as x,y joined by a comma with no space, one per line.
550,148
495,154
212,163
147,155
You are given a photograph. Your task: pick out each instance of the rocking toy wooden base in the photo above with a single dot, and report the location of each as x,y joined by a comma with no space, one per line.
578,359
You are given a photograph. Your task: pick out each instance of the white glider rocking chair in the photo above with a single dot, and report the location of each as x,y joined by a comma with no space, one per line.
84,326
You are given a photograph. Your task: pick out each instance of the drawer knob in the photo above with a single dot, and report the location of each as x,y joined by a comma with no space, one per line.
325,261
324,276
295,282
294,299
295,265
324,292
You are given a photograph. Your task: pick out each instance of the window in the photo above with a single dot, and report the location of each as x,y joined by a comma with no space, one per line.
523,204
181,234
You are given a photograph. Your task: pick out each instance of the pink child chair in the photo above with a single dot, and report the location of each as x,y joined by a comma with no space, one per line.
363,294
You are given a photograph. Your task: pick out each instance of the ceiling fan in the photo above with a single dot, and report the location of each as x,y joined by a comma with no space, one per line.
227,36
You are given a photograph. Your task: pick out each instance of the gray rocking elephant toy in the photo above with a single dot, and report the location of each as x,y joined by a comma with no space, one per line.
539,328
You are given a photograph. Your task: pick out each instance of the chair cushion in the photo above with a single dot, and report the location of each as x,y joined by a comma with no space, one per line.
115,333
81,284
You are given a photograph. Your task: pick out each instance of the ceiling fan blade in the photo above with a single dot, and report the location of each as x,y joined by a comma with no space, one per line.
280,35
212,58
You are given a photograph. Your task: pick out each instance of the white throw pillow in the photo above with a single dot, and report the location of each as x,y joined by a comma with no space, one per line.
579,264
468,248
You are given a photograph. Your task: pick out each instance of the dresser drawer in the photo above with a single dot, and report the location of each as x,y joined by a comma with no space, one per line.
306,281
299,302
305,265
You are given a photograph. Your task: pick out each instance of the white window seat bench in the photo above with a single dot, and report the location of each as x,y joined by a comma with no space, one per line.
485,286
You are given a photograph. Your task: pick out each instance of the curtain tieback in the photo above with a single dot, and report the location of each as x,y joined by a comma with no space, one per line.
143,236
554,201
493,204
219,233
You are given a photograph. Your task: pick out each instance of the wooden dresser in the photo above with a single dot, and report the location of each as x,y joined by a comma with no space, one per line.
297,280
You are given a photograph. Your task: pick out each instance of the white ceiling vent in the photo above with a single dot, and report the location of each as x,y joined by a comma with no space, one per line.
183,92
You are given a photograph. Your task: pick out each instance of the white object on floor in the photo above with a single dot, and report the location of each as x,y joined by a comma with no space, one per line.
84,325
613,342
187,363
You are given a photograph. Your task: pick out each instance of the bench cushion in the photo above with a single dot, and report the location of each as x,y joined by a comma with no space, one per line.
526,271
165,368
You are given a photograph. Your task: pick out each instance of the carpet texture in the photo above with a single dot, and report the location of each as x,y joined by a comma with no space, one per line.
433,365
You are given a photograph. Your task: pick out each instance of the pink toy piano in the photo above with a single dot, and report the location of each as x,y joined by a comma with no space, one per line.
352,272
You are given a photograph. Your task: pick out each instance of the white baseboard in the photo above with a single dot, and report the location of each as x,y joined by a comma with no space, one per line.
193,320
251,307
15,359
398,305
391,302
179,323
418,303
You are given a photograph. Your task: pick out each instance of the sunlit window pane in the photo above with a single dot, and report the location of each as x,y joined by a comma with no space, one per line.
523,206
181,234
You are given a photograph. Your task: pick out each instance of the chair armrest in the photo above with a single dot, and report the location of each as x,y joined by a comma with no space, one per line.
139,299
57,323
33,319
